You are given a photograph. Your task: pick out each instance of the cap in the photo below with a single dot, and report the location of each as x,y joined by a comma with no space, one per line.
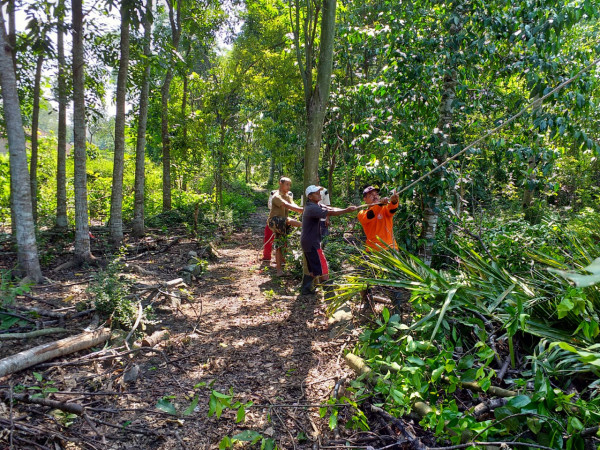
312,189
369,189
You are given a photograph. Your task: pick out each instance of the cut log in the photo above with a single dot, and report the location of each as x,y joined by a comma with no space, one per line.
155,338
32,334
173,283
36,355
382,300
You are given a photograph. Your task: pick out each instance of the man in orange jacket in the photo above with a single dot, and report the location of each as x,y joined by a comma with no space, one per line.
378,220
378,223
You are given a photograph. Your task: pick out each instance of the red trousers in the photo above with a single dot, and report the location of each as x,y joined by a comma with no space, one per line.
268,241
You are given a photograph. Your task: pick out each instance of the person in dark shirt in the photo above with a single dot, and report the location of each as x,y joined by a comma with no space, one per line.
310,239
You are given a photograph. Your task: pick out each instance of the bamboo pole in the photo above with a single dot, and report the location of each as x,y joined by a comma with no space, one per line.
42,353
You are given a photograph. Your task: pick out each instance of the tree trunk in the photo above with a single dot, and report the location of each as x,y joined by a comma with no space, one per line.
116,200
271,172
331,168
175,20
11,10
82,234
61,167
434,198
317,101
27,253
166,140
219,170
35,119
247,169
140,153
12,40
184,97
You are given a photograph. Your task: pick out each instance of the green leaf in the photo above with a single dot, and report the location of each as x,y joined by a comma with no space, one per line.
575,423
333,419
220,395
248,436
519,401
466,362
534,424
437,373
190,409
582,280
166,406
225,443
38,376
241,415
386,314
485,384
445,306
267,444
212,406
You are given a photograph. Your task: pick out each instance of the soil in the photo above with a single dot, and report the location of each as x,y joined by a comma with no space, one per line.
236,329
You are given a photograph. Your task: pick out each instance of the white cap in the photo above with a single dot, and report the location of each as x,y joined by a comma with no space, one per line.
312,189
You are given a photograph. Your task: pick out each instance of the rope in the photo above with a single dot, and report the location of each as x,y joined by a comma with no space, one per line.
499,127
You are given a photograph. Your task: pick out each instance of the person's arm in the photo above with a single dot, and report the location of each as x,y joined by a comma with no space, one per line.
292,206
279,202
338,211
392,206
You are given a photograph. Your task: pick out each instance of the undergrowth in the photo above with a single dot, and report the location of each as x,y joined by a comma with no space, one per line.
497,304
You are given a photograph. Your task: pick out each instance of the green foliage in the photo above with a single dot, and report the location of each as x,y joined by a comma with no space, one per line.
9,289
249,436
43,388
447,340
110,291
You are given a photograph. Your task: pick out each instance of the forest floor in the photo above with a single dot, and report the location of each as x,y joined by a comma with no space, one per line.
236,329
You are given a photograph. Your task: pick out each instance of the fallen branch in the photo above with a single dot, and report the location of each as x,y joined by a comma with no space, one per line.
32,334
404,430
74,408
36,355
135,325
487,406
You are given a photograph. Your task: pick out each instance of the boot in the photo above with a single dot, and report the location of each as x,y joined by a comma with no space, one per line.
328,289
307,285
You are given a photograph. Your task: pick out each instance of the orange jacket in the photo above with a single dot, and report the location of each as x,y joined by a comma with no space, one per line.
377,222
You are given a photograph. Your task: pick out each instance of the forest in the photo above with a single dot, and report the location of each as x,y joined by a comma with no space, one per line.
141,302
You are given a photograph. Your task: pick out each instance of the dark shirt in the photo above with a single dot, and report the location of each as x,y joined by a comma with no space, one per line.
310,238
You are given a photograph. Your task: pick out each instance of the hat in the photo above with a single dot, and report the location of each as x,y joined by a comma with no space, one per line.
369,189
312,189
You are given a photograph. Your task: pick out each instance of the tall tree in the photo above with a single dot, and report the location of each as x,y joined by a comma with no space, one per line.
116,201
82,233
175,21
34,133
27,253
316,94
140,148
61,164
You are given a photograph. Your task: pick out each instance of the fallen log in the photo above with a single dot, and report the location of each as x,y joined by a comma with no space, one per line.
41,353
32,334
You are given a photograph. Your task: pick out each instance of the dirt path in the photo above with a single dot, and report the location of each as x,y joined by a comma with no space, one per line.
260,338
255,337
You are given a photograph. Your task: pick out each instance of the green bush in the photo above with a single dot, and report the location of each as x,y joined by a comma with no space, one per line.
110,292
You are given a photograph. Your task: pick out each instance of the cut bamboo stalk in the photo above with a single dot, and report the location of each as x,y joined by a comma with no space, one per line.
42,353
155,338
